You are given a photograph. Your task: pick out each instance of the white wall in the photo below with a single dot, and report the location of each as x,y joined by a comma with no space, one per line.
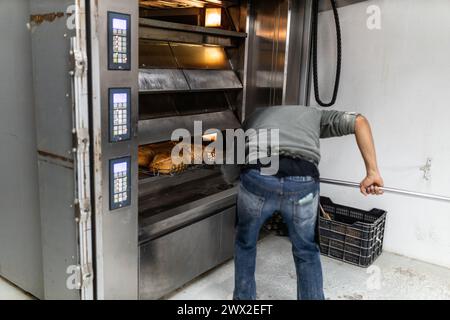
399,78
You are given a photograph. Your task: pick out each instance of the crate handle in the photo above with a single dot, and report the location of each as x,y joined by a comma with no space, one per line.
380,241
324,213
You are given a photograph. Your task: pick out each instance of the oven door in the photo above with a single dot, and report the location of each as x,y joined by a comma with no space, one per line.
180,244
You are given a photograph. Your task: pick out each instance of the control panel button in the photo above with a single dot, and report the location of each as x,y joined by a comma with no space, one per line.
119,182
119,34
119,114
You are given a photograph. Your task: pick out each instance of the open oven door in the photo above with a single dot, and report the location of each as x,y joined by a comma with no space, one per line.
61,114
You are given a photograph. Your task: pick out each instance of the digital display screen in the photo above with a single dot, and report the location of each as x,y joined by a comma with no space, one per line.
120,98
119,114
119,183
120,167
120,24
119,42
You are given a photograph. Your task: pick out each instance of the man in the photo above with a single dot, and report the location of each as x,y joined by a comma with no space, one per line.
294,190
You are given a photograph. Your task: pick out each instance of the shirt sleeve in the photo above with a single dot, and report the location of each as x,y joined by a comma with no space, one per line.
335,123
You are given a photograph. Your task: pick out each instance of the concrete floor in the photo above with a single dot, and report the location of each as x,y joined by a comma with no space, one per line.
390,277
10,292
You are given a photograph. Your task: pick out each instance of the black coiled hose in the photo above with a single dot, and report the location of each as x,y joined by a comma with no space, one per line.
314,53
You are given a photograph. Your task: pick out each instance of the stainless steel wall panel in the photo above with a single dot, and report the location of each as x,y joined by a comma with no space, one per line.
267,31
20,233
53,103
297,64
116,231
52,84
278,57
59,239
37,268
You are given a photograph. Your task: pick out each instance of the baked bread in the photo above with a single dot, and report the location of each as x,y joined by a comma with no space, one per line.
146,153
157,157
197,157
145,156
162,164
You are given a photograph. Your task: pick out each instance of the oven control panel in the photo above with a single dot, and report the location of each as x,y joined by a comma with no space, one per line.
119,36
119,183
119,114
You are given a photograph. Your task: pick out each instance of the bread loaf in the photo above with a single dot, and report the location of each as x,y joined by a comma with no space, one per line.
145,156
162,164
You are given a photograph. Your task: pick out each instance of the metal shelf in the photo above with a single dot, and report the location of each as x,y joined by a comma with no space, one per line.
183,33
160,129
174,80
143,22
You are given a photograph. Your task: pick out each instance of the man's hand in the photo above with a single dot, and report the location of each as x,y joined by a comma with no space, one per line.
373,181
371,184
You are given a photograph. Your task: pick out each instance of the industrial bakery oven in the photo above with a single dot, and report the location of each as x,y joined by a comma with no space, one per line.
187,73
111,82
176,65
163,67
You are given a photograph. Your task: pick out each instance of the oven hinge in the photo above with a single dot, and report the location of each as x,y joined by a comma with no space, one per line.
78,60
83,273
83,204
82,210
80,140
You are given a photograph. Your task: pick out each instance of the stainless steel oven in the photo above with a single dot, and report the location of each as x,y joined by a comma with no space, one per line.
187,73
112,78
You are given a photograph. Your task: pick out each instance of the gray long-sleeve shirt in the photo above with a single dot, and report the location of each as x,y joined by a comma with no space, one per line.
301,128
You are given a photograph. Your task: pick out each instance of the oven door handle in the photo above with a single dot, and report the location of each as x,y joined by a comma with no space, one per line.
163,223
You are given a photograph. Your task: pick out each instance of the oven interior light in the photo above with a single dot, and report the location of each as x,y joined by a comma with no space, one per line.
213,17
210,137
214,55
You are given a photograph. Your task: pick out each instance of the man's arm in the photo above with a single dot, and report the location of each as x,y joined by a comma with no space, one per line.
373,181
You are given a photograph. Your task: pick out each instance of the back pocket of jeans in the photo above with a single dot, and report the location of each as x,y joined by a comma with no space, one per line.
305,208
249,204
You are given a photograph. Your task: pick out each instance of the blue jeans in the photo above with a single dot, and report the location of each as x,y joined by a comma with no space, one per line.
297,199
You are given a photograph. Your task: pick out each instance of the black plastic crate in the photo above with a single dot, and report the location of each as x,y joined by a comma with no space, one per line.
352,235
